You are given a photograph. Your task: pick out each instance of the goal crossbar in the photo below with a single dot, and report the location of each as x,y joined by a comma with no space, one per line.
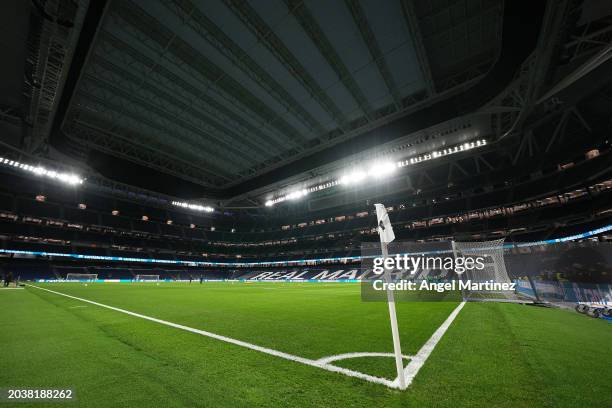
81,277
146,278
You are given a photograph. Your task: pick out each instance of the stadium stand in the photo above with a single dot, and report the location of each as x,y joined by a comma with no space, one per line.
533,210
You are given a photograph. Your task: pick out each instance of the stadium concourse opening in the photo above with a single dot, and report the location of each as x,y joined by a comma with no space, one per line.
306,203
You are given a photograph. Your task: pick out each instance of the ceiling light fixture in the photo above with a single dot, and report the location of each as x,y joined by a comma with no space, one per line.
67,178
376,170
195,207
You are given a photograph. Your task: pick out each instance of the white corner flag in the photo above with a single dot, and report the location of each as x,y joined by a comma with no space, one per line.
385,231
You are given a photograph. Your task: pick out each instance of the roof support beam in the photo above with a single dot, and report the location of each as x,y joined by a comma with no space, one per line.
370,40
142,24
132,59
314,31
127,105
185,114
245,12
57,44
141,126
419,46
143,155
538,70
91,25
594,36
208,30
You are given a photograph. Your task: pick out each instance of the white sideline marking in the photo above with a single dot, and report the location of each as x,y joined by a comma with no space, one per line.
276,353
10,288
326,360
416,362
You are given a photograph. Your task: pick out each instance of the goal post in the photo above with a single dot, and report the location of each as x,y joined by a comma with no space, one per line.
494,270
81,277
146,278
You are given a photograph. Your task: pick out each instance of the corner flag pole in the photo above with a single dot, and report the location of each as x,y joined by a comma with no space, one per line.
386,234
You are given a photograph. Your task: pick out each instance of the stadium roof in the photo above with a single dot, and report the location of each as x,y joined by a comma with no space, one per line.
224,97
221,92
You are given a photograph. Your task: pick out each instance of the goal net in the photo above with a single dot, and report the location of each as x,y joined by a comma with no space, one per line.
493,271
146,278
81,277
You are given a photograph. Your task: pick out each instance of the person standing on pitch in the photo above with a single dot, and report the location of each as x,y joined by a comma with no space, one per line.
8,277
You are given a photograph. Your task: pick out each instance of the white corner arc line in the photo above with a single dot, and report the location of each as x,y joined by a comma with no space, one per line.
336,357
265,350
417,361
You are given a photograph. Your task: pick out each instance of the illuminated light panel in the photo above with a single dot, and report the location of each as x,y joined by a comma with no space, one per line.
441,153
353,177
305,191
297,194
68,178
196,207
377,170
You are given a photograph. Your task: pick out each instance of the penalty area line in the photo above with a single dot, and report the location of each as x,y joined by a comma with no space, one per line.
313,363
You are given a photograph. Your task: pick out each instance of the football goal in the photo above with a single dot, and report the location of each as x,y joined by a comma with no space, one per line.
146,278
81,277
494,270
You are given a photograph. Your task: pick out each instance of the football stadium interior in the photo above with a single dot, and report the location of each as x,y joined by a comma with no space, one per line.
188,190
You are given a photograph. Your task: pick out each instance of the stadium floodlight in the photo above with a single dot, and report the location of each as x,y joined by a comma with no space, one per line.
353,177
441,153
297,194
381,169
376,170
190,206
294,195
276,200
81,277
68,178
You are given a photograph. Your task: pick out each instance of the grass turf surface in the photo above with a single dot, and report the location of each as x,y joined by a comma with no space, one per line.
492,355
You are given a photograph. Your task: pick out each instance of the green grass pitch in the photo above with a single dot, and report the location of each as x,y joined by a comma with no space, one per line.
493,354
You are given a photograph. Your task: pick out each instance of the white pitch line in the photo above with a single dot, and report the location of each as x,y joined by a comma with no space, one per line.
329,359
417,361
276,353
